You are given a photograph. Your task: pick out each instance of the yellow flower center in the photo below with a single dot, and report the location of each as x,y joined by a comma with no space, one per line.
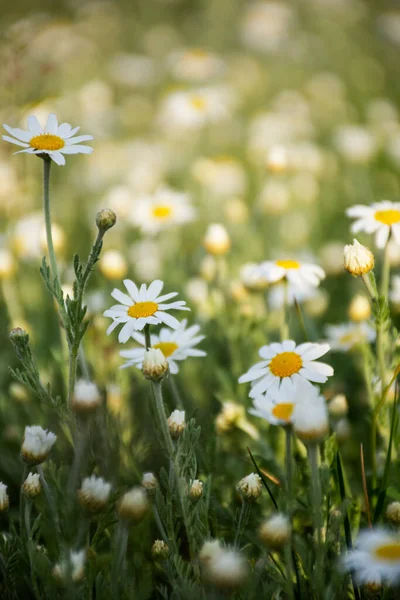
352,337
285,364
198,103
197,53
142,309
47,141
283,411
388,551
167,348
162,212
388,217
288,264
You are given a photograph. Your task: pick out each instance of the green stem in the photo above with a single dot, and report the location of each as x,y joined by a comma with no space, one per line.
51,504
289,468
289,570
121,543
160,526
243,511
385,272
147,336
163,418
22,499
367,282
313,452
47,217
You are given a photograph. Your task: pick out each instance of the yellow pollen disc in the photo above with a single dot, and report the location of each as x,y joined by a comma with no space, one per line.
388,217
162,212
283,411
285,364
167,348
388,551
198,53
142,309
47,141
288,264
198,103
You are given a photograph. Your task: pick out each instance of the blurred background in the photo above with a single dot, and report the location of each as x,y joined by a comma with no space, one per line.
269,118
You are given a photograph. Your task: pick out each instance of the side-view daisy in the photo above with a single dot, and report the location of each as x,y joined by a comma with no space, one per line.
175,345
345,336
295,272
375,557
165,208
142,307
284,365
53,139
381,218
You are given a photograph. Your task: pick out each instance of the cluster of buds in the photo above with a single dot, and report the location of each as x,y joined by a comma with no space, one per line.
133,505
37,444
155,365
86,397
250,487
32,485
94,493
176,423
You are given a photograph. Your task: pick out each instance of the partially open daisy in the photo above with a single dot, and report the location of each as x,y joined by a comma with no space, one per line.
381,218
284,365
345,336
295,272
277,405
53,139
375,557
165,208
142,307
175,345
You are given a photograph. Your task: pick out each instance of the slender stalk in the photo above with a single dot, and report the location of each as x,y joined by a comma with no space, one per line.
313,452
50,502
284,330
243,511
163,418
121,543
369,286
385,272
80,448
175,392
47,217
289,468
160,526
22,498
289,570
147,336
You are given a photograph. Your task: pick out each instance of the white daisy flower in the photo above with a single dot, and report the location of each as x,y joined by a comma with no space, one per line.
345,336
284,365
297,273
175,345
375,557
165,208
381,218
37,444
54,139
277,406
142,307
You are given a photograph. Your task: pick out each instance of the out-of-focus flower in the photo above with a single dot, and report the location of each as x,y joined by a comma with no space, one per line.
94,493
142,307
32,485
395,290
338,406
250,487
393,513
4,499
358,259
195,65
356,144
7,264
381,218
28,238
285,293
217,240
375,557
347,335
310,417
284,365
275,532
154,365
86,397
226,569
267,25
176,423
277,406
73,566
274,197
297,273
165,208
331,256
253,276
113,264
222,175
175,345
133,70
53,140
37,444
360,308
133,505
343,430
209,550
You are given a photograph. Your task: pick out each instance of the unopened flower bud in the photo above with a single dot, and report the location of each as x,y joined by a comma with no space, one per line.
4,499
227,570
150,483
18,336
32,485
310,420
86,397
358,259
217,240
105,219
196,490
94,493
275,532
338,406
343,430
160,550
37,444
176,423
360,308
155,365
133,505
250,487
393,513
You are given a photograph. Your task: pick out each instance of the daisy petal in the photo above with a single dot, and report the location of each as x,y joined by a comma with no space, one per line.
168,319
7,138
78,139
132,289
123,298
34,125
154,289
20,134
77,150
126,331
52,124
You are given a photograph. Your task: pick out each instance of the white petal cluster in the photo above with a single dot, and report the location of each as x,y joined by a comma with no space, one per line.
358,260
94,493
133,505
37,444
150,483
32,485
250,487
176,423
226,569
86,397
155,365
74,565
275,532
4,499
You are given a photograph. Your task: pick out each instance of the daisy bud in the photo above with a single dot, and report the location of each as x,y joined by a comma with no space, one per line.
359,309
19,337
176,423
32,486
86,397
209,551
155,365
94,493
275,532
338,406
74,566
226,570
4,499
105,219
196,490
37,444
229,417
133,505
150,483
250,487
343,430
217,240
393,513
310,419
113,265
358,260
160,550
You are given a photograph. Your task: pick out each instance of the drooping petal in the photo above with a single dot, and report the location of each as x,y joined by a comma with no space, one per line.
20,134
57,157
7,138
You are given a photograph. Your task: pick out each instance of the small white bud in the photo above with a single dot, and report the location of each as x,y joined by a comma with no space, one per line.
310,419
275,532
150,483
338,406
86,397
94,493
160,550
176,423
209,550
155,365
358,260
133,505
196,490
37,444
4,499
393,513
32,485
250,487
217,240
